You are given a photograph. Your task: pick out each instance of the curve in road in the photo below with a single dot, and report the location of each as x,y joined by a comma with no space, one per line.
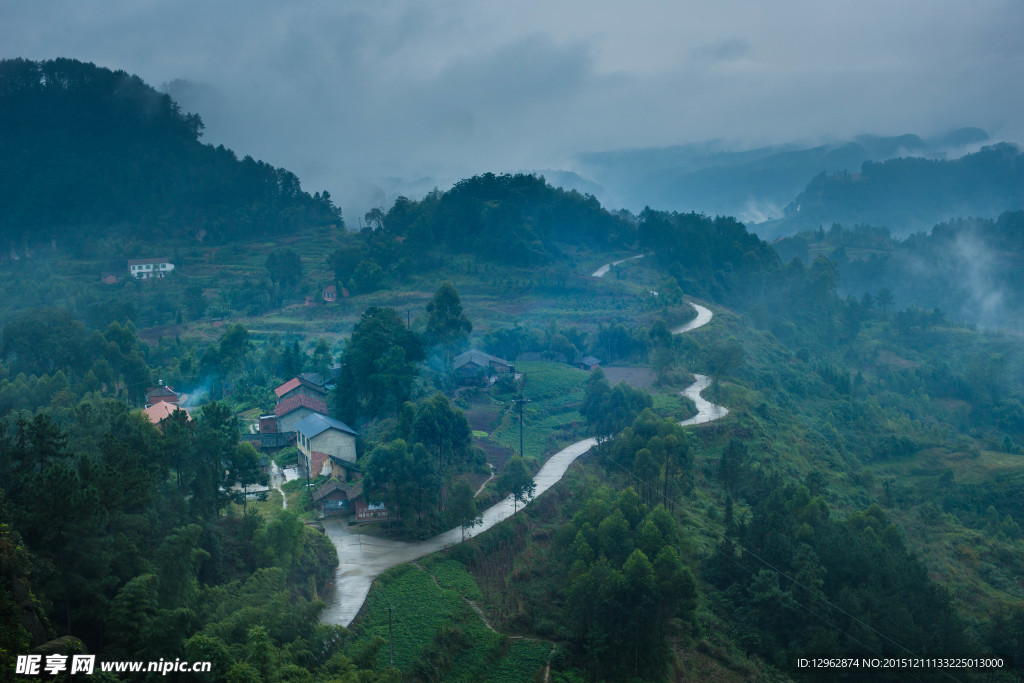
363,558
603,270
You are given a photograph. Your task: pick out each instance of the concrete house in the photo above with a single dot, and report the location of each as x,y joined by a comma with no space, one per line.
148,268
321,439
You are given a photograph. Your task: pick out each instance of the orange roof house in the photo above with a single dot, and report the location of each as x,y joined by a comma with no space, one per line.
160,411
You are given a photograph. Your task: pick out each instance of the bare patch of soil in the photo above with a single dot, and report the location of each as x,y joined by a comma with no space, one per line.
153,335
482,416
638,378
890,358
497,454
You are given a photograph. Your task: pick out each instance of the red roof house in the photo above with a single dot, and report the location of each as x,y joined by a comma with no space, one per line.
293,409
301,385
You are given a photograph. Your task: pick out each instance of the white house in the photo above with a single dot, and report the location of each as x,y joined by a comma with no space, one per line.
144,269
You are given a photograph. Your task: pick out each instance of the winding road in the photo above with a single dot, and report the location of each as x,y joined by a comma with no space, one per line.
362,558
603,270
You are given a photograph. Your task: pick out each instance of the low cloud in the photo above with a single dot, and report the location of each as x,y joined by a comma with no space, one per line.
380,95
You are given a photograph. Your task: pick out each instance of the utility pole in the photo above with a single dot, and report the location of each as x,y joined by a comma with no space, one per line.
391,642
521,401
309,466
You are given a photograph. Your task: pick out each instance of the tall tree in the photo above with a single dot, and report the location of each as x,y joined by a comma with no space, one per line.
215,444
284,268
445,432
377,367
447,326
724,358
517,480
245,470
462,507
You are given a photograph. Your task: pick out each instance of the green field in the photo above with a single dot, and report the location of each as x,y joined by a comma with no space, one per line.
550,420
437,635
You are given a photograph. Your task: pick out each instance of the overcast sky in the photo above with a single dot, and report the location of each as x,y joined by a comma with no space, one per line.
353,95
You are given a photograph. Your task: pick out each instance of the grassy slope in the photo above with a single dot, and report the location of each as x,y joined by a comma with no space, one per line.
434,595
792,438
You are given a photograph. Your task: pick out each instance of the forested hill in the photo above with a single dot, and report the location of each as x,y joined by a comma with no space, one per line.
514,218
910,194
86,149
971,269
520,220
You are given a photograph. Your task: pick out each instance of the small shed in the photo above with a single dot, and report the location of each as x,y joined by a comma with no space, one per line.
587,363
268,424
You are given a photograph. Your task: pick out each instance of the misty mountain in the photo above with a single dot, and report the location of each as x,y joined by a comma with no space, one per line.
87,150
910,194
972,269
513,219
753,184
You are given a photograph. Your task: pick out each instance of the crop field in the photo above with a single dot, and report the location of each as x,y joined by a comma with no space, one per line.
551,419
437,635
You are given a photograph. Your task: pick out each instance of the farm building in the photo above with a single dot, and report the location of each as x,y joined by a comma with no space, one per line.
476,366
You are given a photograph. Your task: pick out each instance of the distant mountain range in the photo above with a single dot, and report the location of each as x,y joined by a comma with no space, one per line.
905,182
909,195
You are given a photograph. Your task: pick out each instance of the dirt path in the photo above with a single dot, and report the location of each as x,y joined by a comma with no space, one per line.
481,489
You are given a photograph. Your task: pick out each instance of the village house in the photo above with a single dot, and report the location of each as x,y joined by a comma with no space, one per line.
309,384
335,497
321,438
161,410
367,511
296,408
324,383
476,366
161,394
587,362
268,424
145,269
338,498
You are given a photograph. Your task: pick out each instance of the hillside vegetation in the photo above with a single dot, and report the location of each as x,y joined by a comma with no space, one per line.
861,498
909,194
88,151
